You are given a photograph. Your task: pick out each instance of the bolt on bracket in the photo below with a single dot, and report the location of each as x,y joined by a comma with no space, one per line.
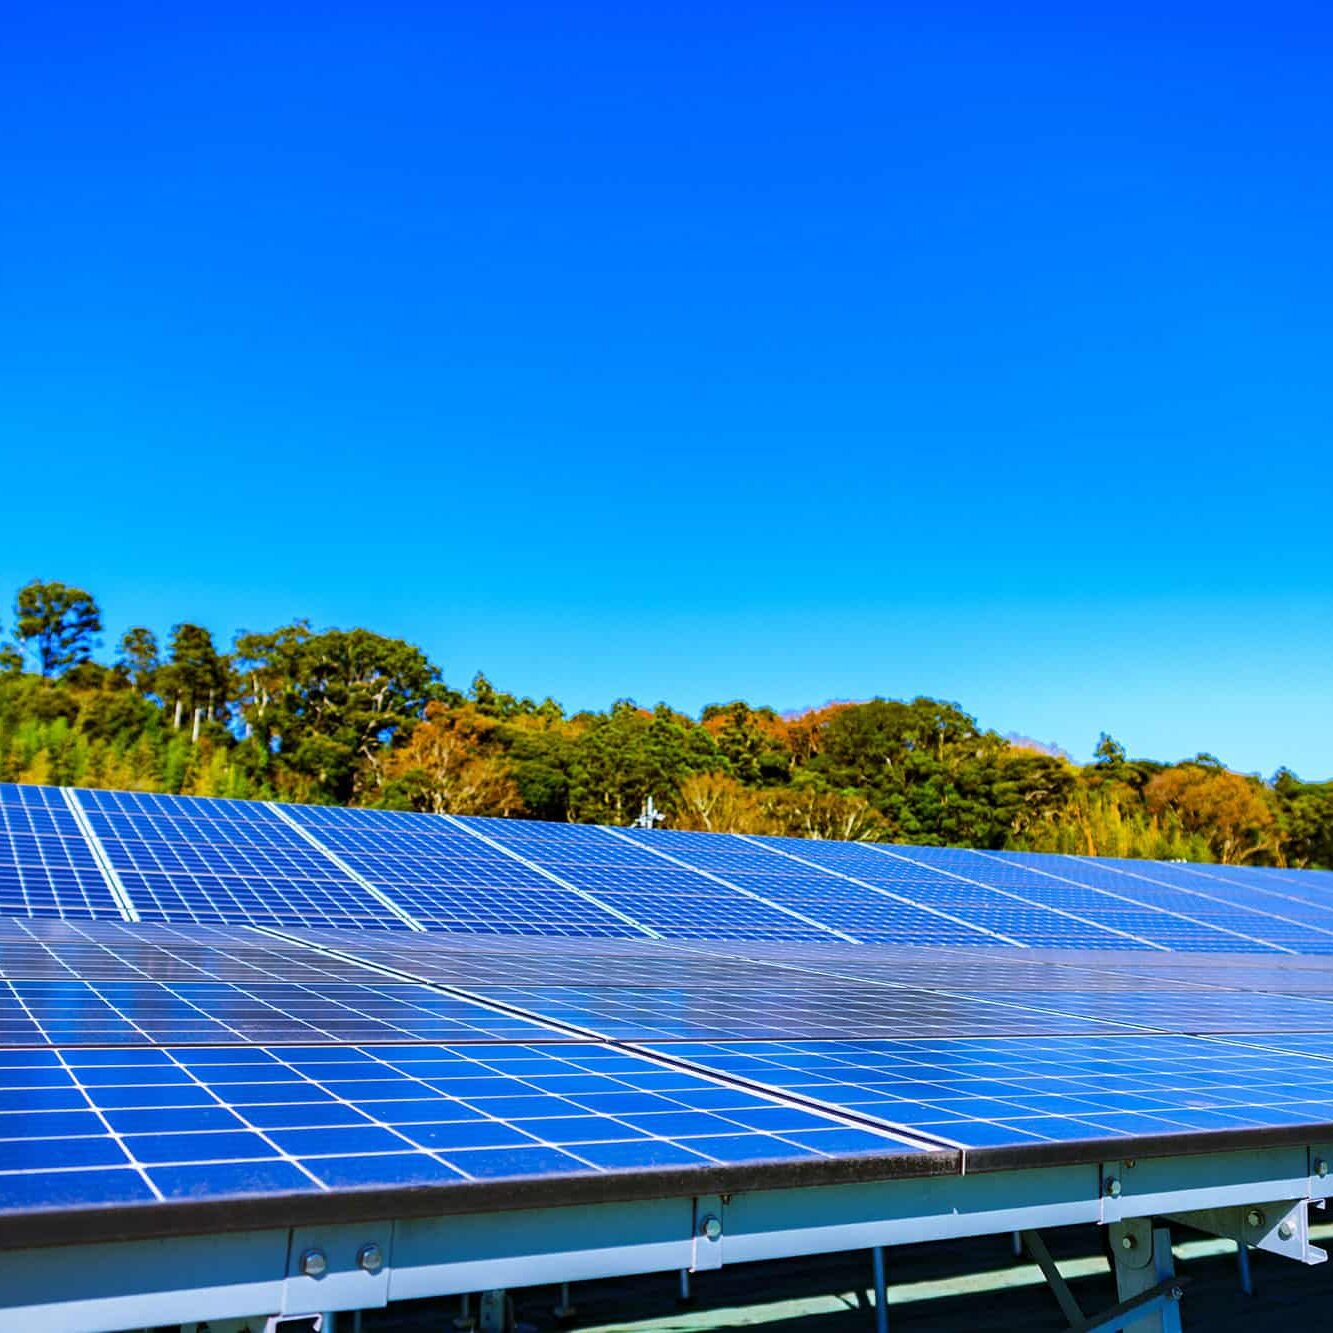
1281,1228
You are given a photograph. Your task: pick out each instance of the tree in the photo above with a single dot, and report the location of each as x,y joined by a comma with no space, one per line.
1109,752
194,679
137,658
752,742
59,623
450,765
717,803
627,755
1234,813
328,707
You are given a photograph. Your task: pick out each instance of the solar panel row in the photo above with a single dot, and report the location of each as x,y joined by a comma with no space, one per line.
98,1126
199,861
150,1062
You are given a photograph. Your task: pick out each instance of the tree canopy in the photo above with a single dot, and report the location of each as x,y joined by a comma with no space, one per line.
351,716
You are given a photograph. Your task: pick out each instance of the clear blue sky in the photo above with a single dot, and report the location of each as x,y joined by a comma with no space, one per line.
689,352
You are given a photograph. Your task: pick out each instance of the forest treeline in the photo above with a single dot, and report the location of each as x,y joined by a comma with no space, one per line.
353,717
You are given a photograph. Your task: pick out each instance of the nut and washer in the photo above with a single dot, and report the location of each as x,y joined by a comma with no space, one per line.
1128,1242
1254,1218
314,1263
1320,1167
1285,1231
710,1227
1113,1188
370,1257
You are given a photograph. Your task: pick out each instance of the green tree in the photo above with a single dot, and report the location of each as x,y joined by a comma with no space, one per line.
1109,752
58,623
628,754
326,706
137,658
194,681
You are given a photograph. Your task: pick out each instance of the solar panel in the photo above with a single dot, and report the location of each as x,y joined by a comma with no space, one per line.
192,859
133,1126
670,899
1233,928
47,868
1007,917
120,951
157,985
782,872
979,1093
449,880
1312,923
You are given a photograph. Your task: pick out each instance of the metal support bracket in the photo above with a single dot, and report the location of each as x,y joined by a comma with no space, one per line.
1145,1265
1280,1228
709,1225
1144,1305
338,1268
493,1312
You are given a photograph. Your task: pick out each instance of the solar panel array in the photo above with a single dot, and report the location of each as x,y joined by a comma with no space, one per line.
204,999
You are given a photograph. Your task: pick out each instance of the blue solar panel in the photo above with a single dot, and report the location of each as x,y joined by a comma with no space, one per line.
191,859
449,880
1313,922
155,1013
674,901
798,875
97,1126
47,869
1006,917
1233,928
987,1092
1307,886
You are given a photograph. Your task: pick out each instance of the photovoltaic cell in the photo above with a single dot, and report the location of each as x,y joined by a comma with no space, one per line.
47,868
980,1093
449,880
192,859
134,1126
1239,928
1007,917
675,901
786,875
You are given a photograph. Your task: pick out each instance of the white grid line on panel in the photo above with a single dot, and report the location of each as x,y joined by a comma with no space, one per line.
1203,873
886,893
113,882
1151,907
552,876
1225,902
727,884
378,894
1018,897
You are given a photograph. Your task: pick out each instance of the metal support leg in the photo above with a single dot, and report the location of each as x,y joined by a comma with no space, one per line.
565,1309
329,1322
684,1296
1243,1263
881,1290
356,1321
493,1312
1069,1307
463,1321
1143,1261
1018,1244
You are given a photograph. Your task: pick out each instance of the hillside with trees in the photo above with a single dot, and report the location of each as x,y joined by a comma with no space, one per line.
352,717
